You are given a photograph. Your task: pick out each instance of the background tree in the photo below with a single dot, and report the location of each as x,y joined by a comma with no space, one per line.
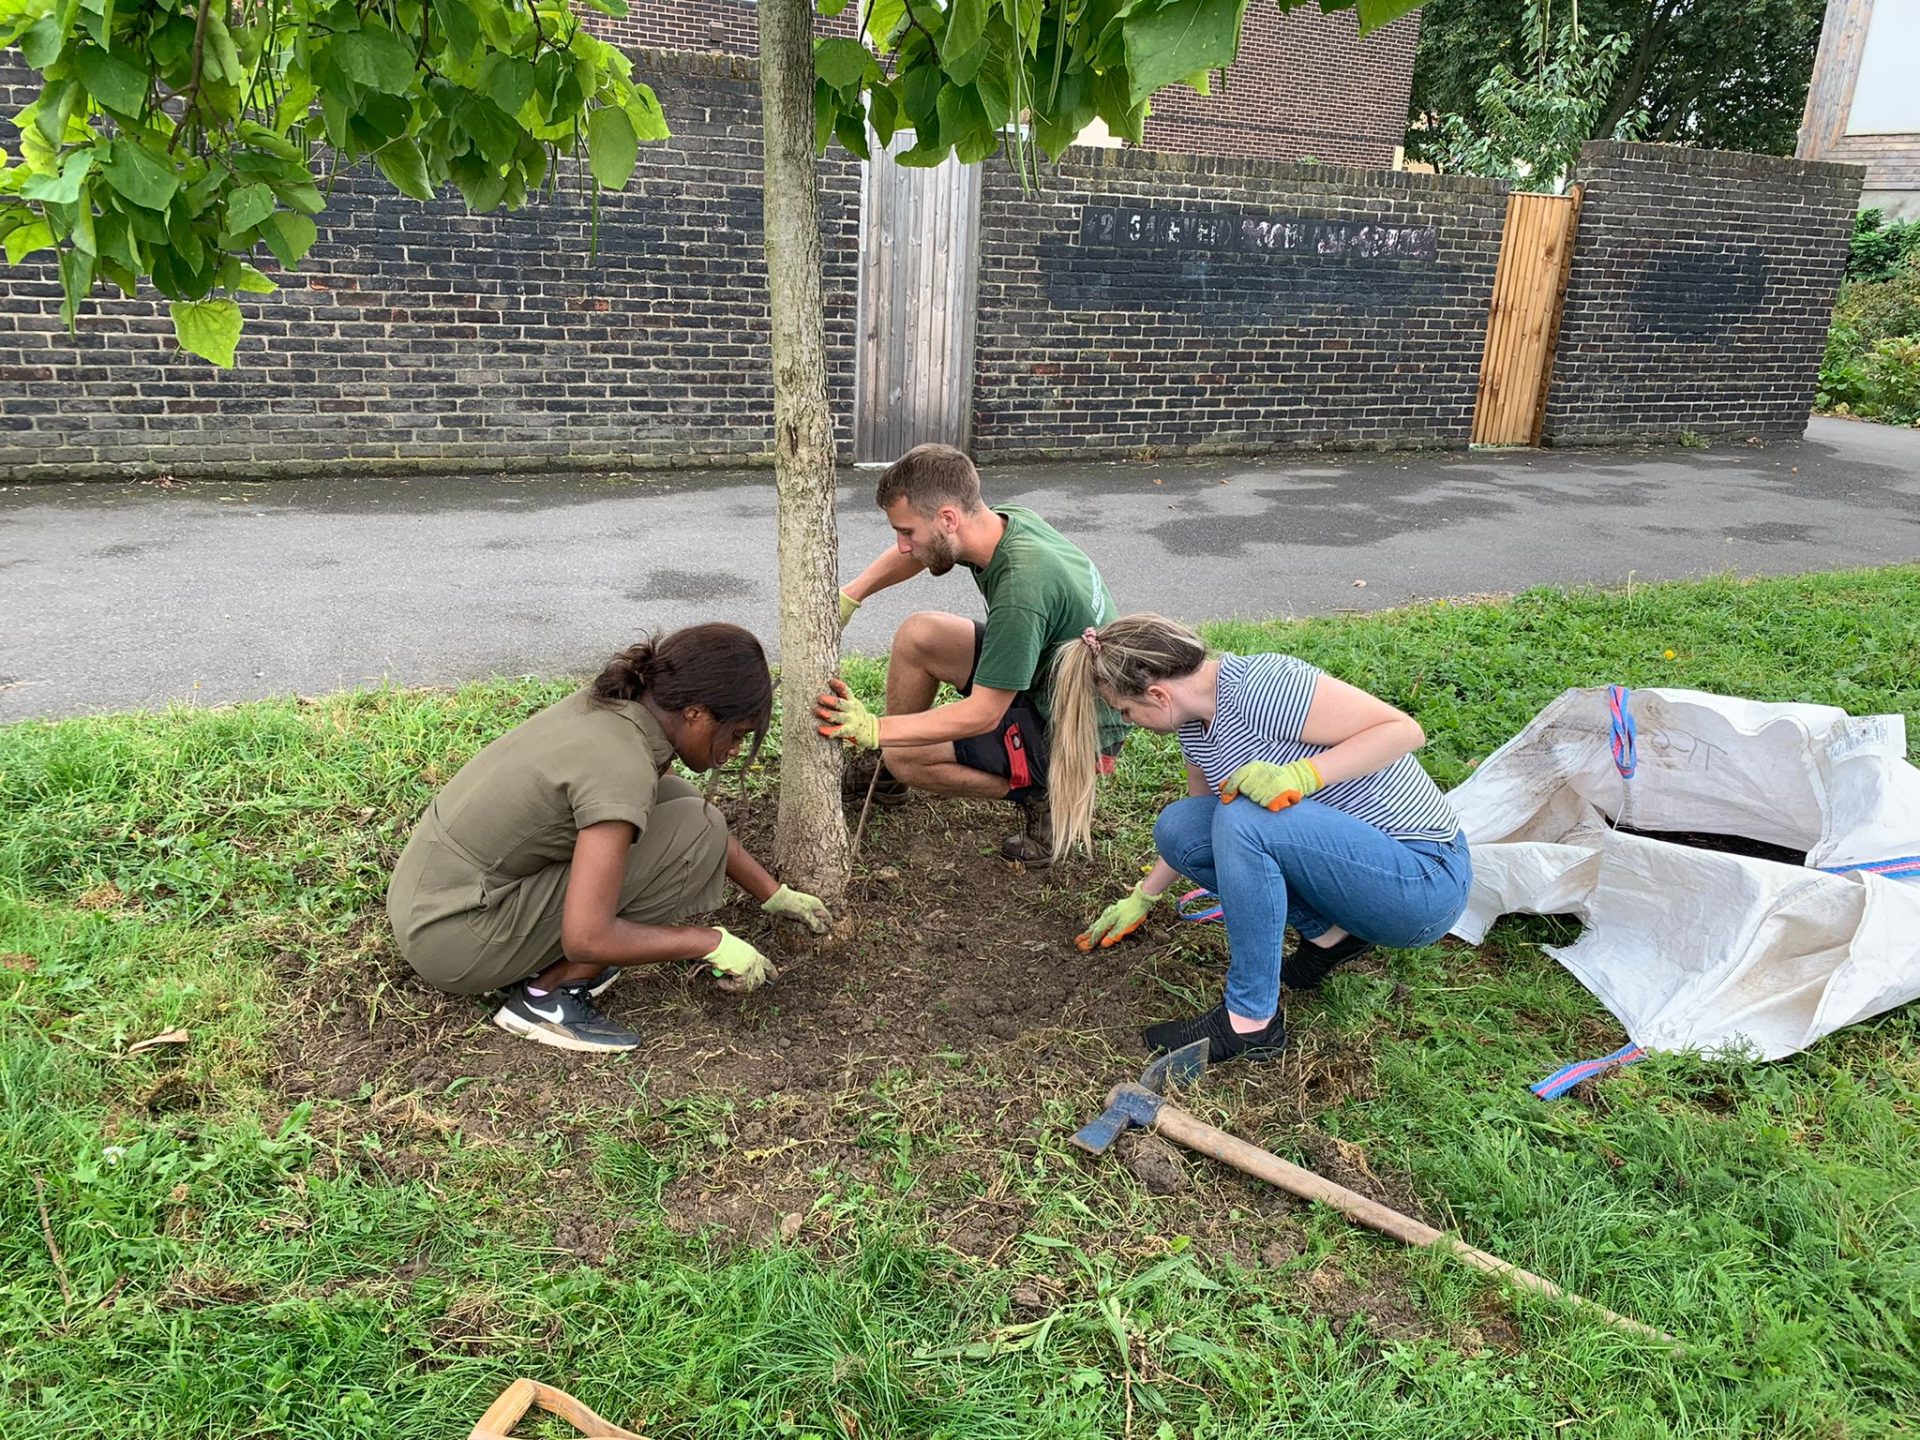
172,140
1531,125
1721,74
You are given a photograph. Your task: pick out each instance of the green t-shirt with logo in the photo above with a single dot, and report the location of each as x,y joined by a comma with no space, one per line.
1041,592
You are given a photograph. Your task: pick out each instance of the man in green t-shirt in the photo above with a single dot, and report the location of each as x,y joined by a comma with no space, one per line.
1041,592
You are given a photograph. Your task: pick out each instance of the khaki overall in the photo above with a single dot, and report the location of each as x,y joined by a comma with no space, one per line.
477,897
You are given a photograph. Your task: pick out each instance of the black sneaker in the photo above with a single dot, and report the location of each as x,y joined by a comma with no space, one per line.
602,982
565,1019
1223,1041
889,791
1033,846
1309,964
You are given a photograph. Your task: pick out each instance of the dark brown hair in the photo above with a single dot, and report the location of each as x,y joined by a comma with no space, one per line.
720,666
929,476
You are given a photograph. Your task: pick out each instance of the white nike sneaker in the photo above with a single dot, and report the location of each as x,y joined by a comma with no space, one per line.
566,1019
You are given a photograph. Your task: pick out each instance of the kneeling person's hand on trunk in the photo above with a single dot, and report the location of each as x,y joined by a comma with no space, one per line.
847,717
799,907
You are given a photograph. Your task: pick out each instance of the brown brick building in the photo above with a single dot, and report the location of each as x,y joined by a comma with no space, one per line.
1306,86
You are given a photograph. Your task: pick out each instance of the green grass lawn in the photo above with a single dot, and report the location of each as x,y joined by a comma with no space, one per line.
236,1261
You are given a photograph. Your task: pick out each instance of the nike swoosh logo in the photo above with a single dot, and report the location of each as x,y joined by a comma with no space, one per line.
551,1015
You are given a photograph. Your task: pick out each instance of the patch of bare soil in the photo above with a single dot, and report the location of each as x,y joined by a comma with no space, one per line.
1723,844
952,1029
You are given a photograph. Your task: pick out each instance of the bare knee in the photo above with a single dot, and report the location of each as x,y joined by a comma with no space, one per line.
908,764
919,765
937,643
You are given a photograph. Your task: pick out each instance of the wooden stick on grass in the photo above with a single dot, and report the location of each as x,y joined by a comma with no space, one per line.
866,805
53,1248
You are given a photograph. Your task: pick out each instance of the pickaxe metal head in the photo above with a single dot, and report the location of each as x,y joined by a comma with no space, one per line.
1138,1102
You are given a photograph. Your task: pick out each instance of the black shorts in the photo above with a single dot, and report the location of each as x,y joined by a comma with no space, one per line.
1016,748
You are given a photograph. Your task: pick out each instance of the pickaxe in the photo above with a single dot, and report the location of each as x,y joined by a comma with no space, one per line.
1144,1104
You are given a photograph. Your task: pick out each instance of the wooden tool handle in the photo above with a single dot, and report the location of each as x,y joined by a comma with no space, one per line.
1207,1139
519,1397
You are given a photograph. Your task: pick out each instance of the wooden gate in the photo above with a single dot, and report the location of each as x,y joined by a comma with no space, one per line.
913,375
1523,325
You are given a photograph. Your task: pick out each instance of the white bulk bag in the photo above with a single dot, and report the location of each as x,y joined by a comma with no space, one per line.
1694,949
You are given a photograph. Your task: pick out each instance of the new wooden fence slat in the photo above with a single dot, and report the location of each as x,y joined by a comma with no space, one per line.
1523,319
1569,231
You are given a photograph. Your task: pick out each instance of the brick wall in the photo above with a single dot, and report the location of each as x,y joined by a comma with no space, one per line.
1306,86
420,337
1702,288
1193,304
1133,302
726,27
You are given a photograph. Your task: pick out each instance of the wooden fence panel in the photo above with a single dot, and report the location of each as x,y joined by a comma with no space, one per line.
919,235
1523,322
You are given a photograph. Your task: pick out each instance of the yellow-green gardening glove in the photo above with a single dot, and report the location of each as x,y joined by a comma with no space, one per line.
1274,786
739,962
799,907
847,718
1120,919
847,606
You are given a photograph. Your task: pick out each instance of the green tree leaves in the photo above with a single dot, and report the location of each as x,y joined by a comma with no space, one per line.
402,163
376,58
144,179
967,76
117,84
173,139
208,328
1531,125
612,147
1721,74
1179,42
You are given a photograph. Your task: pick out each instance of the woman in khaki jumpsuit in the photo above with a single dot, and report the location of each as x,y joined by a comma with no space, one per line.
563,852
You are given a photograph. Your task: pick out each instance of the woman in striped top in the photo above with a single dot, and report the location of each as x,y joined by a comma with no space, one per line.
1338,832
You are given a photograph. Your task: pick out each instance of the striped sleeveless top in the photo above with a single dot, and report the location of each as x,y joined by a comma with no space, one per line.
1262,703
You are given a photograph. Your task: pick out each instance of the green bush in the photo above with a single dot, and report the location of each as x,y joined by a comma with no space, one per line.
1879,251
1872,364
1893,377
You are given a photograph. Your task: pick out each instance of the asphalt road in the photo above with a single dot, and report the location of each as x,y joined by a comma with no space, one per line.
119,596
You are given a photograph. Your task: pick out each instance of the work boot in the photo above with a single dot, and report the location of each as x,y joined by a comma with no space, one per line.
1033,846
1309,964
1223,1041
889,790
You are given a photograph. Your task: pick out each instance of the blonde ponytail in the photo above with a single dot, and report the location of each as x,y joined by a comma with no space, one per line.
1122,660
1073,746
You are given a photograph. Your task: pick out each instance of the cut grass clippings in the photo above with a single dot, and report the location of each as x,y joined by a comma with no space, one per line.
233,1261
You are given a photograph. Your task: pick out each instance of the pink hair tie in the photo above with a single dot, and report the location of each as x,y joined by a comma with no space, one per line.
1092,638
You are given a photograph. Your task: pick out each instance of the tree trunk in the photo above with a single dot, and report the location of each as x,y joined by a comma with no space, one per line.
811,843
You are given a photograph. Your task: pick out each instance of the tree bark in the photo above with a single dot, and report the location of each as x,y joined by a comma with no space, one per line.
811,840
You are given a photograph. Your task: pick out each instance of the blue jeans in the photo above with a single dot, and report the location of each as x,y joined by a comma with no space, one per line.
1312,867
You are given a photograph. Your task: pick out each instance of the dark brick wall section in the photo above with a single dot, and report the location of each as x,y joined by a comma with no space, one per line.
420,337
1306,86
1187,304
1702,288
724,27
